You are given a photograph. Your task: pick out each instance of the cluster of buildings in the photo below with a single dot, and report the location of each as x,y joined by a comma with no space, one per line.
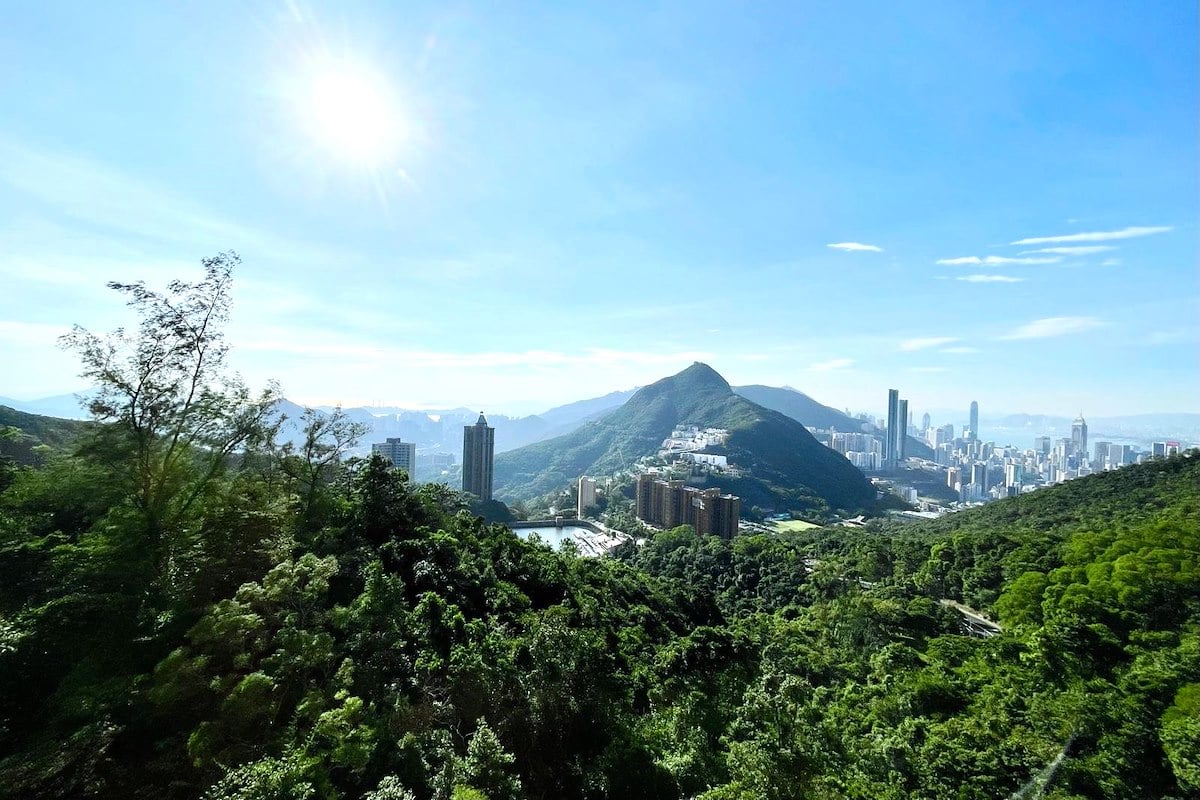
668,503
978,470
664,503
479,453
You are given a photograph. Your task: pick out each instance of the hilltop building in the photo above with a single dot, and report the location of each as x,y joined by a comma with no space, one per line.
671,503
403,455
479,450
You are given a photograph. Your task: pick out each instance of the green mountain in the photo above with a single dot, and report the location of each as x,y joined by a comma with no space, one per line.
34,431
787,467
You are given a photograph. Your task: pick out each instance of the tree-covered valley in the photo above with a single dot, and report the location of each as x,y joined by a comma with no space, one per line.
189,610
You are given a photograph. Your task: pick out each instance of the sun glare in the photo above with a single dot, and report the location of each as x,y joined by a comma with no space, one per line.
353,115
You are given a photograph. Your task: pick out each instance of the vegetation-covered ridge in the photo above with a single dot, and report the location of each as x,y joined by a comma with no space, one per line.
189,611
30,438
787,468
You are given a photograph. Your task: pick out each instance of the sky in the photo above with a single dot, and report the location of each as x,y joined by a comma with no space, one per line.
513,206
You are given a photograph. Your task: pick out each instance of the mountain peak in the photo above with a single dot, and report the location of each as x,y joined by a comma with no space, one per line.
701,377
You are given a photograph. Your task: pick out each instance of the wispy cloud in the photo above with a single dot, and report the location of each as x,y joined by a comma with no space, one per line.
995,260
837,363
19,333
855,247
1097,236
1170,337
1077,250
1053,326
927,342
98,195
988,279
960,351
417,359
1111,262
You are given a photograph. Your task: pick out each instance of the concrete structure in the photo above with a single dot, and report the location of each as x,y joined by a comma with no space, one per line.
667,504
974,423
587,495
403,455
1079,437
891,455
479,450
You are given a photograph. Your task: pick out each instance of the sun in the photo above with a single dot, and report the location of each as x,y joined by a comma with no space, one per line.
352,114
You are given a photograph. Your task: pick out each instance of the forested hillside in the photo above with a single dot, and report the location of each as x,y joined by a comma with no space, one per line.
29,438
189,611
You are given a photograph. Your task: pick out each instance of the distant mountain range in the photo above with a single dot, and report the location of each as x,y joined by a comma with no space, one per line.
442,428
63,406
787,469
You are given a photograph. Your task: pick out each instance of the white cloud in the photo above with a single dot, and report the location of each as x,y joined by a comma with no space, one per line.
988,279
286,342
1111,262
1054,326
19,333
852,247
837,363
1097,236
929,341
960,351
1077,250
1170,337
991,260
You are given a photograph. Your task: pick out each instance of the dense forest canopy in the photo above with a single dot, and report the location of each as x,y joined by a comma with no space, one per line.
188,610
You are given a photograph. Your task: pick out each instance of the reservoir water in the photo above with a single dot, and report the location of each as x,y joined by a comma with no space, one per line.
589,542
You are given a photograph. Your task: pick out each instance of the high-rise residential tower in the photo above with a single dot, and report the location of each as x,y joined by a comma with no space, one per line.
587,495
974,426
902,433
479,444
893,424
402,454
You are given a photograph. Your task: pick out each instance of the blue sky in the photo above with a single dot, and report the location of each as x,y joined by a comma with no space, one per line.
564,200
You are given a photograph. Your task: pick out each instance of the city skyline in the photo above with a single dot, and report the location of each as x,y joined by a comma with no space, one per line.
993,203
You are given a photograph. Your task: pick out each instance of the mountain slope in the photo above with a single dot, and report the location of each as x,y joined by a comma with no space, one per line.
788,467
36,430
800,407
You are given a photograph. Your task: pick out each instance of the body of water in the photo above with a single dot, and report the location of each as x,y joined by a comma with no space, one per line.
589,542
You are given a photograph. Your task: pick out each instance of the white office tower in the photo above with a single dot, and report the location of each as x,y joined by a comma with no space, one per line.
1079,437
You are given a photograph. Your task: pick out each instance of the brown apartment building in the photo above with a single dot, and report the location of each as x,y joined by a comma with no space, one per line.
667,504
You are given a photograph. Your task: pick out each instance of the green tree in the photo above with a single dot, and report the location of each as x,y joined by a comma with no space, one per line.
179,412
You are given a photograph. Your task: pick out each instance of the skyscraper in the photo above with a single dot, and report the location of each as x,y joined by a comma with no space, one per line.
1079,436
479,443
926,421
402,454
893,423
902,433
974,426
